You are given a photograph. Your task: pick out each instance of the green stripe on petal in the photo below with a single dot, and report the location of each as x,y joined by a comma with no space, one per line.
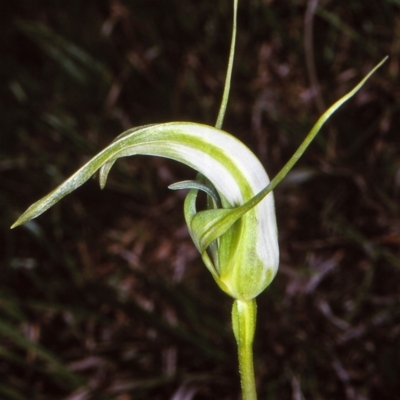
229,165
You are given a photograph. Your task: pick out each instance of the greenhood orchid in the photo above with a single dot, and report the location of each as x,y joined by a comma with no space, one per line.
244,259
236,234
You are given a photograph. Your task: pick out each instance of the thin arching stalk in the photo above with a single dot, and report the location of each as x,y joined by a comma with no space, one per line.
228,76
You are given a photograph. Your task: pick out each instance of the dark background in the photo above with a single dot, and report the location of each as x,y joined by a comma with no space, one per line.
104,296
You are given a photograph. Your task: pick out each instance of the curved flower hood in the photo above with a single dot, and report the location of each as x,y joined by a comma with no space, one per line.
242,254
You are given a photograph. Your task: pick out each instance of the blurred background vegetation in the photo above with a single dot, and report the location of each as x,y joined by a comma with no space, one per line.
104,296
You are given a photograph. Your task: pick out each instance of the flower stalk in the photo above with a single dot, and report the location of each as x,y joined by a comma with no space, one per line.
244,323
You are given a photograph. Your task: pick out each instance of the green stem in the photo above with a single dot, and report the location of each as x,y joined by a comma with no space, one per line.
228,76
244,324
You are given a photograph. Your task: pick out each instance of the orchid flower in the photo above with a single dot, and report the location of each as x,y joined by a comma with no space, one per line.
234,175
236,235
